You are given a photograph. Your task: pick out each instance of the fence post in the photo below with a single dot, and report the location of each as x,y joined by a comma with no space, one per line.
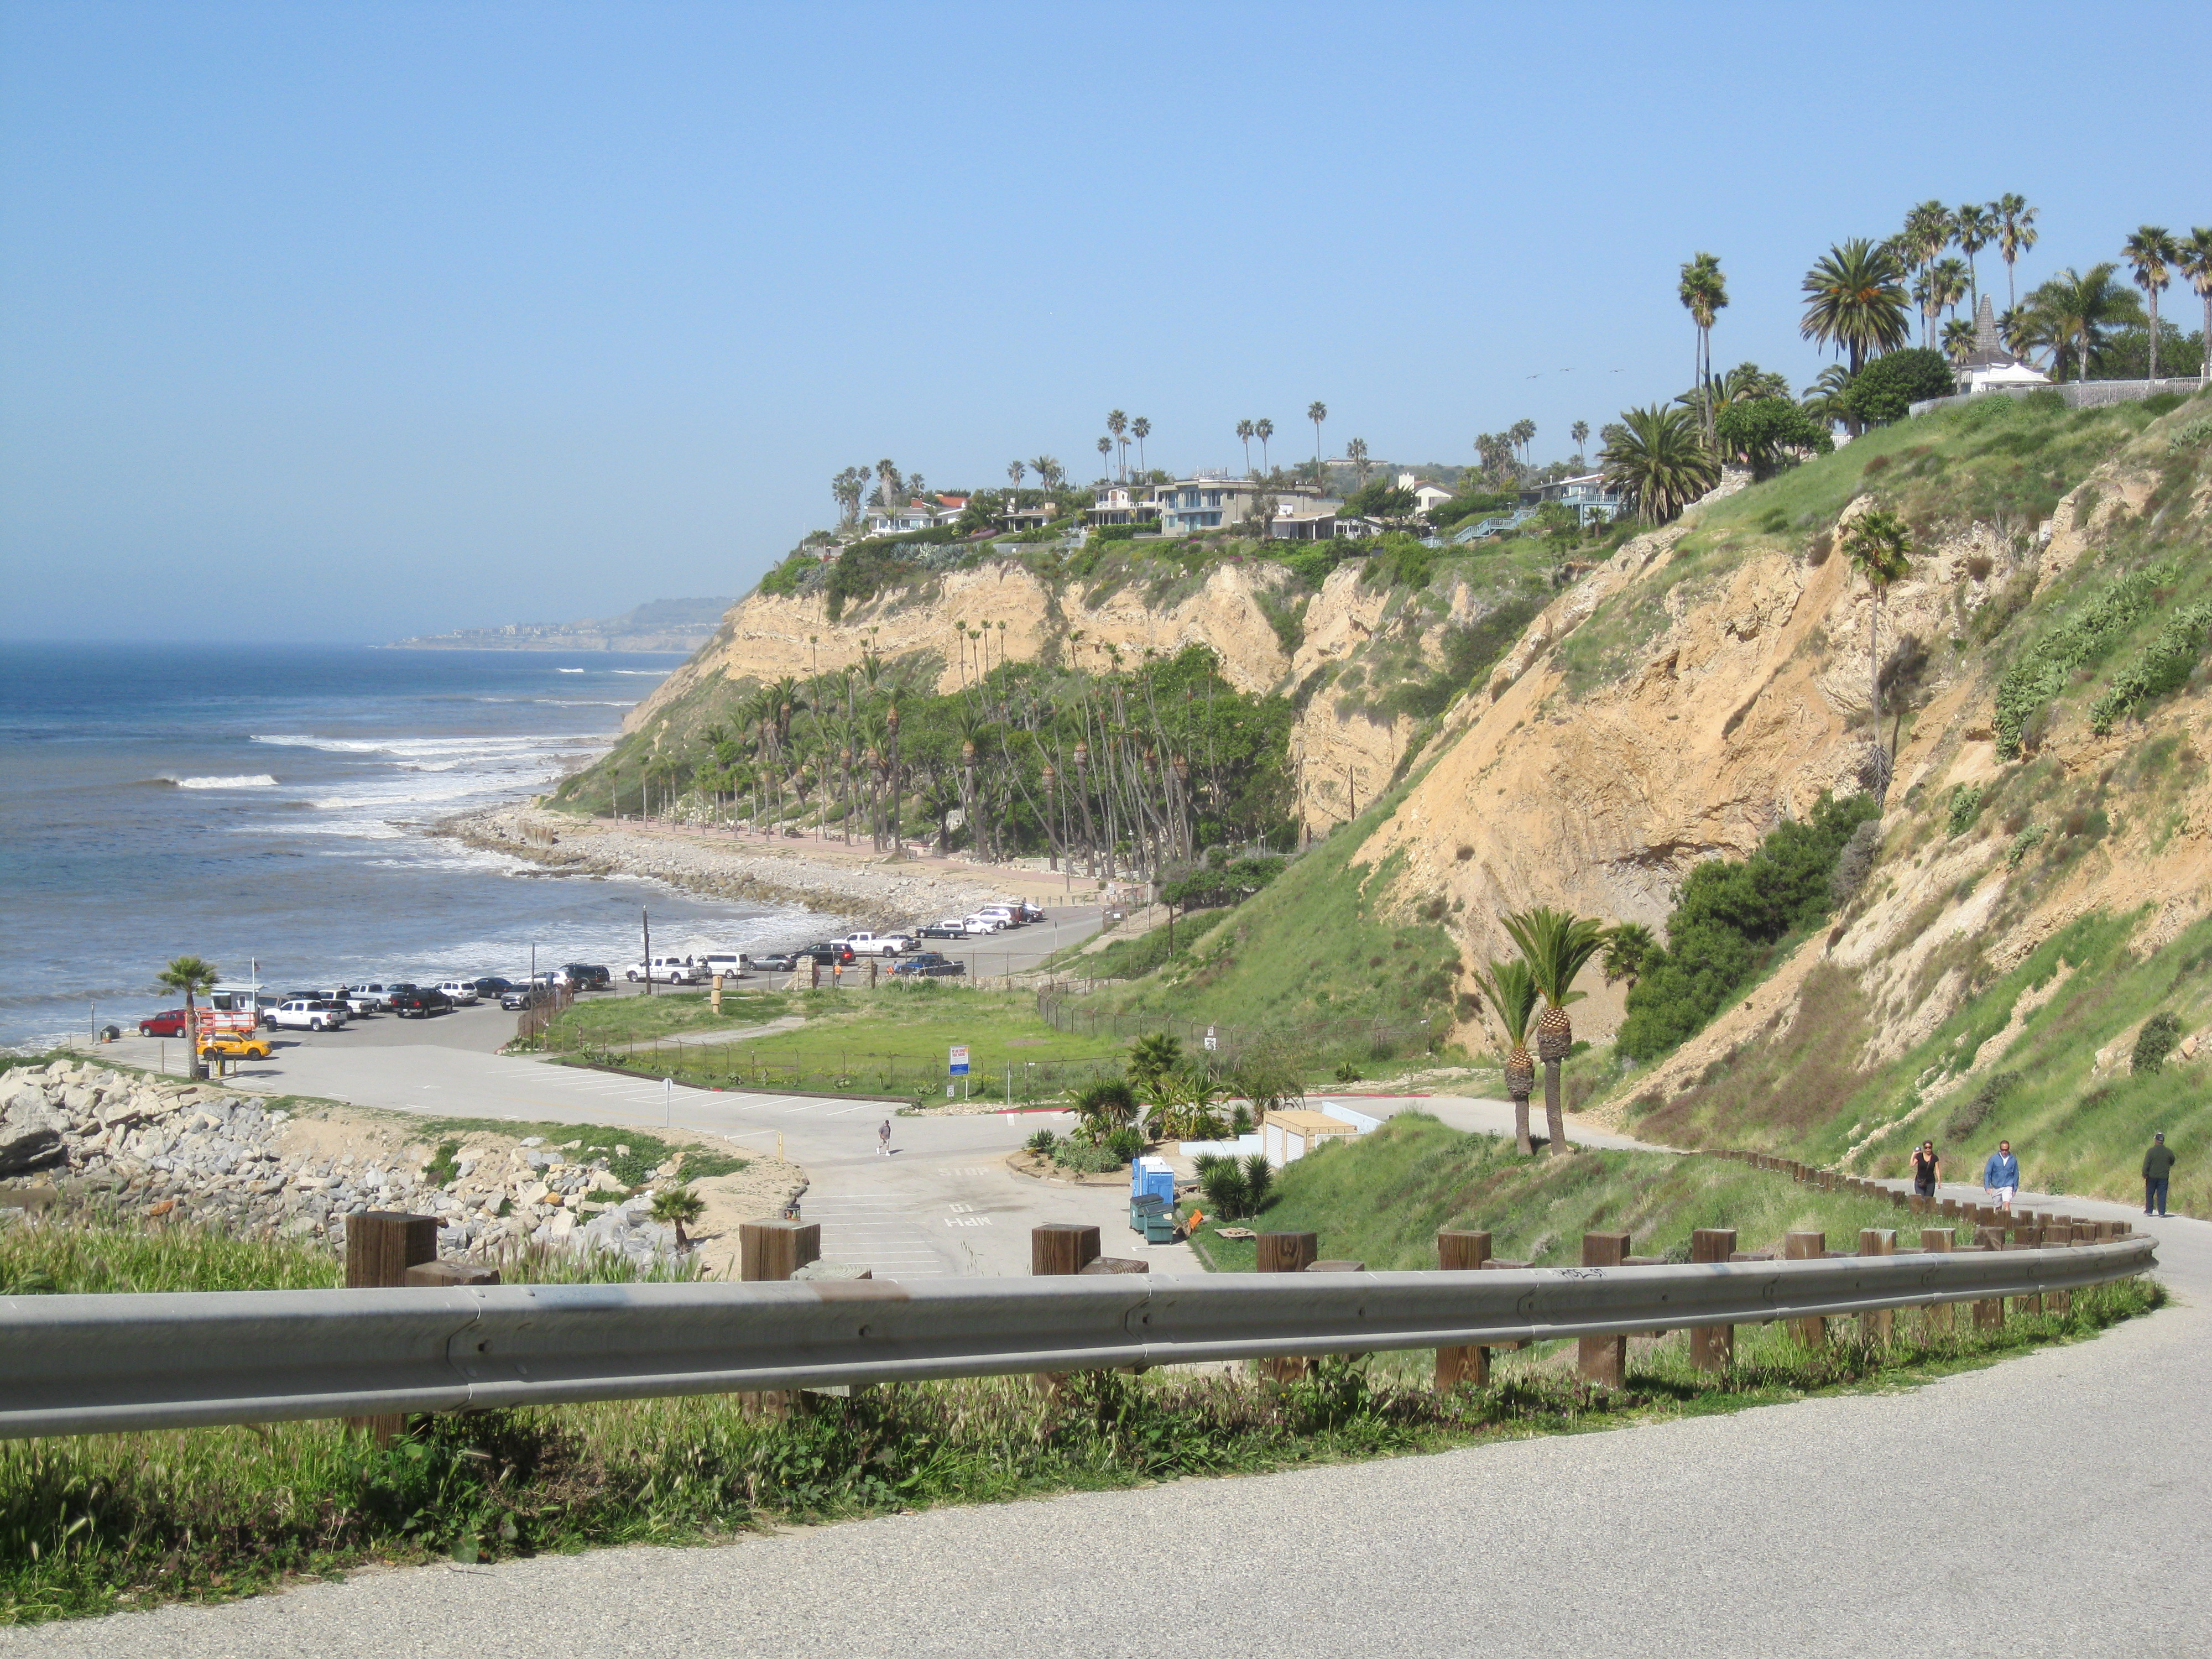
1459,1251
380,1247
1712,1347
1990,1312
1936,1240
1878,1324
1807,1247
1061,1248
1284,1253
775,1250
1604,1358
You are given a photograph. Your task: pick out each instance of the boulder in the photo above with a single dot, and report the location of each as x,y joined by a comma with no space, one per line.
34,1149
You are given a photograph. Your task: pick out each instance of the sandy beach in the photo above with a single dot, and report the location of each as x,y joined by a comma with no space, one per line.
823,874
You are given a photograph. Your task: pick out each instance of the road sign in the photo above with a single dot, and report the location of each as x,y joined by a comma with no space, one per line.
959,1060
1211,1043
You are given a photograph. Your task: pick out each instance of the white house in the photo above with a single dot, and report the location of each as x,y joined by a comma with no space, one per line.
1989,367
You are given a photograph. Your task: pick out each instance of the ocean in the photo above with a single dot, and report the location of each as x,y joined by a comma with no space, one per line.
268,804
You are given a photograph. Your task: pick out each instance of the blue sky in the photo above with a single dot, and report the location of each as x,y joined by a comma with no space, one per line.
347,322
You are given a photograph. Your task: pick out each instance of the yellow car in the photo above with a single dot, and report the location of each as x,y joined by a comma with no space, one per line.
235,1047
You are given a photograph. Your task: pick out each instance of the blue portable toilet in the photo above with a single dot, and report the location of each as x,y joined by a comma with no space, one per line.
1152,1178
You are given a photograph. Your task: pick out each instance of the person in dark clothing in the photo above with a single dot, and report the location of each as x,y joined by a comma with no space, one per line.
2158,1165
1926,1169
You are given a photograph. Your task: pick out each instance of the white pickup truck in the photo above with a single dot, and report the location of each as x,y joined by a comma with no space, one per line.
876,945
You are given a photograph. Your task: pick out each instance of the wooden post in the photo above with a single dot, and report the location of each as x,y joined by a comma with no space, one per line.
1604,1358
379,1247
1712,1347
1878,1324
1807,1247
1990,1312
1462,1251
448,1274
775,1250
1936,1240
1284,1253
1061,1248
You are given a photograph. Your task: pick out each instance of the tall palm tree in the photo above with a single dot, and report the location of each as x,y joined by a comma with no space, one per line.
1141,428
1048,472
1928,231
1879,544
2196,263
1557,944
1657,463
1939,288
1580,432
1523,433
1105,455
1014,472
1704,293
191,978
1855,302
1971,228
1263,428
1117,428
1356,453
2074,309
2151,254
1316,411
1512,992
2015,235
1244,437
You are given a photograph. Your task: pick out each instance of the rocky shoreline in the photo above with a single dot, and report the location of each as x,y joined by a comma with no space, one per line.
849,884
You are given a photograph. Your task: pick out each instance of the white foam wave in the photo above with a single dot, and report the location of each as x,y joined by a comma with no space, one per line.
243,780
656,673
568,671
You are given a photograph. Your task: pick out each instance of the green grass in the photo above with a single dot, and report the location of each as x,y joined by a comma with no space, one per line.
632,1168
100,1524
600,1022
1381,1198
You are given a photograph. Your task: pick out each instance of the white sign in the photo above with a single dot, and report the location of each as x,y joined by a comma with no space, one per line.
1210,1043
960,1060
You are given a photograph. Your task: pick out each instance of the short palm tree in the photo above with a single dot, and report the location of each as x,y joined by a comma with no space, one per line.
1879,544
1823,399
2151,254
1855,303
1316,411
1511,993
2074,310
1958,341
1151,1057
2015,235
1105,1105
191,978
677,1208
1557,944
1657,463
2196,263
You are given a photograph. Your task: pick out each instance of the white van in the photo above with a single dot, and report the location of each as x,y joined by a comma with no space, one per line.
729,964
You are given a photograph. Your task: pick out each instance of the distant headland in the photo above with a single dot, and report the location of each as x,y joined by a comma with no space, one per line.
663,625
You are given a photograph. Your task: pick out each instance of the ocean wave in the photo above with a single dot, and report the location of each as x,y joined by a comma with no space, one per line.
568,671
656,673
242,780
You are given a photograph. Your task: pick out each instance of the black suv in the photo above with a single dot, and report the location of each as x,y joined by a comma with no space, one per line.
422,1004
587,976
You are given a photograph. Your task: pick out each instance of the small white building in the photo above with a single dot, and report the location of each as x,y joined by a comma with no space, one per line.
1989,367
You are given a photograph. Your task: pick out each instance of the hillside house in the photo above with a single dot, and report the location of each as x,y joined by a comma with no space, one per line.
1122,504
1989,367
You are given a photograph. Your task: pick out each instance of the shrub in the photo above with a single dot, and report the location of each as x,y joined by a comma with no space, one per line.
1884,390
2080,642
1125,1143
1223,1182
1966,801
2159,1034
1977,1107
2165,665
1854,862
1042,1143
1083,1158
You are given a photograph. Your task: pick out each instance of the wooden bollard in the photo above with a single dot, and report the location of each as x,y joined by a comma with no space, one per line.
1284,1253
1990,1312
1712,1347
380,1247
1060,1248
1936,1241
1462,1251
1878,1325
1807,1247
447,1274
1604,1358
768,1251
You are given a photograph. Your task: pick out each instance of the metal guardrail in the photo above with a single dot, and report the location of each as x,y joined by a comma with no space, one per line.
78,1364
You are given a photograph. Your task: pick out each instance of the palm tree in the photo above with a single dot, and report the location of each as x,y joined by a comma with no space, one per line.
1356,453
1928,231
1629,948
1141,428
1014,472
1048,472
1971,228
2074,309
1105,452
888,475
1704,294
1657,463
2015,235
1958,341
1557,944
1316,411
2196,263
1105,1105
1522,431
1823,399
1580,432
1512,992
2151,254
676,1208
1117,427
1939,288
1855,302
192,977
1244,436
1879,544
1263,430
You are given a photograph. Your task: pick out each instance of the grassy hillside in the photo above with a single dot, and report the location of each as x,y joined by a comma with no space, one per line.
1380,1199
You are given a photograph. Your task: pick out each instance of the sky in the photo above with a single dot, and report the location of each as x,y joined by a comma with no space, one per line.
353,322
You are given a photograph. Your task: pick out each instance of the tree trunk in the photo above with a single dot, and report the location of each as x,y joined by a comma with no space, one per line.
2154,333
1522,1140
197,1070
1874,698
1555,1117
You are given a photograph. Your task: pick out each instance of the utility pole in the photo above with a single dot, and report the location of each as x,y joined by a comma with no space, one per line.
645,922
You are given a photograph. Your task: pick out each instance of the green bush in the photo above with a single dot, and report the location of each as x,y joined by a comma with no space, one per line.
2080,641
1966,801
2165,665
1886,388
2159,1034
1975,1109
1731,919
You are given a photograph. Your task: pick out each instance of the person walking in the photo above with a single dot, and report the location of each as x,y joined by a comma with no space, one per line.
2001,1175
2158,1166
884,1140
1927,1170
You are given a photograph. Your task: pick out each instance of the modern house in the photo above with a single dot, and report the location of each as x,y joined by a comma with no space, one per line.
1585,495
922,513
1122,504
1206,500
1989,367
1305,518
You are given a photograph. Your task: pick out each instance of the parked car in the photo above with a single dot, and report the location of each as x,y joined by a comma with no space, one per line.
170,1022
828,952
876,944
422,1004
308,1014
357,1004
377,997
491,985
729,964
235,1045
517,997
776,962
666,970
1005,915
979,923
461,992
1025,910
951,927
585,977
928,964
